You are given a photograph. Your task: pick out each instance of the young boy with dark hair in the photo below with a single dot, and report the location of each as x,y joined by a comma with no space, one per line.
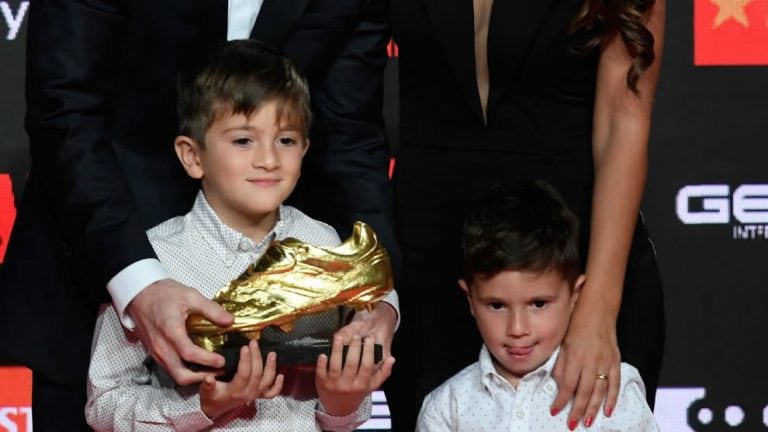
522,279
244,119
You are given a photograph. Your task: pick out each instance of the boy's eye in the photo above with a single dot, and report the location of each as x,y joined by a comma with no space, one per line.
241,141
538,304
496,305
286,141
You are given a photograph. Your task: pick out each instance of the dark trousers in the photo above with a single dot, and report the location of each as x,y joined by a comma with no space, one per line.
57,407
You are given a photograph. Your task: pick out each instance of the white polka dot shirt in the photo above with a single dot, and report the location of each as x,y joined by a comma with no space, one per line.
478,399
200,251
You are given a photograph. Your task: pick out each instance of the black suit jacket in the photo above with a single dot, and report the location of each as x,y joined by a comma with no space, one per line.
101,122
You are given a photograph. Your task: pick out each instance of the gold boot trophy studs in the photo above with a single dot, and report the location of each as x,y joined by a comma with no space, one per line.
294,279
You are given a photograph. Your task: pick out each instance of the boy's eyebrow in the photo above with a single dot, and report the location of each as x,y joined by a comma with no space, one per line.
249,127
487,298
239,128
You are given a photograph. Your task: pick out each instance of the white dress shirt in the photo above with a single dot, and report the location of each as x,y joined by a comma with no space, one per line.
199,250
478,399
126,285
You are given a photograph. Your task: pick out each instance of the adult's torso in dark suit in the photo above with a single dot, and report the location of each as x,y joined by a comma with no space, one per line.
539,125
101,121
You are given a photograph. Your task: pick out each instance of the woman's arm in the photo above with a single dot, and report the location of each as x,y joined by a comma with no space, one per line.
620,142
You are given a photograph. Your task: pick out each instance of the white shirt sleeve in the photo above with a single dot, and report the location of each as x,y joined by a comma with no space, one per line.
393,300
347,423
127,284
121,392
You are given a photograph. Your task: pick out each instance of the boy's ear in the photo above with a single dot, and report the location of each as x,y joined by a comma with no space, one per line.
188,152
577,289
465,287
306,147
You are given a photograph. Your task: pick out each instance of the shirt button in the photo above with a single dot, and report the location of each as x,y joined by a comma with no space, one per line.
520,415
549,388
244,246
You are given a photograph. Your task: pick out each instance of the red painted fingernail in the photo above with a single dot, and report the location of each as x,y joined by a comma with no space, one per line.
572,424
588,421
554,411
609,411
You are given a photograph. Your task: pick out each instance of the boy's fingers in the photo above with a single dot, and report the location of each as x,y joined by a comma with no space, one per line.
335,362
321,370
257,364
207,386
268,375
352,360
276,388
382,373
366,364
243,374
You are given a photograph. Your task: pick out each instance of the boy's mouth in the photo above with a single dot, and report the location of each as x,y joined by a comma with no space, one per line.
266,182
519,351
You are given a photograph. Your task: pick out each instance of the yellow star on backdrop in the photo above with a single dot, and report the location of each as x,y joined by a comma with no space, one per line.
731,9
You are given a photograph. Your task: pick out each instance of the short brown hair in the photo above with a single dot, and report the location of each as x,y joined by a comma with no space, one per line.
238,79
523,226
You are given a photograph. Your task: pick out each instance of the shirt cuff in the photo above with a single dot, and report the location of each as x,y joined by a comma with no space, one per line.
129,282
393,300
347,423
192,417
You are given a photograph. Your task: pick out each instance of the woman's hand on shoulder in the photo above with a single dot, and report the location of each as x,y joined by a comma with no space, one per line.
588,368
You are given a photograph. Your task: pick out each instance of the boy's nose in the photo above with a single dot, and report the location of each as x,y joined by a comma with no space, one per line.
265,157
518,324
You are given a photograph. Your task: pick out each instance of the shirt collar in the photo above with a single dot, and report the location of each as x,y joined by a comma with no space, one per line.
225,240
493,381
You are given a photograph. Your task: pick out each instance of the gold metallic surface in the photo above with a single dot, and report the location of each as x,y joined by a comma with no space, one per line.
293,279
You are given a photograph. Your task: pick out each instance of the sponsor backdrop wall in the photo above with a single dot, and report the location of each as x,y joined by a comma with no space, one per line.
706,204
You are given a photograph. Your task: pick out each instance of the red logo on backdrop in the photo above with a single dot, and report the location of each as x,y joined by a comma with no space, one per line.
15,399
730,32
7,212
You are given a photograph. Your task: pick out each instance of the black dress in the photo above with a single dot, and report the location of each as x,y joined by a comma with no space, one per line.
539,125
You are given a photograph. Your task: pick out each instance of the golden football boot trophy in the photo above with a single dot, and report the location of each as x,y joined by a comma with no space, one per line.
294,279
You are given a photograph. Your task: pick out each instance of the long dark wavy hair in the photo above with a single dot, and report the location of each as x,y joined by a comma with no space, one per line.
604,19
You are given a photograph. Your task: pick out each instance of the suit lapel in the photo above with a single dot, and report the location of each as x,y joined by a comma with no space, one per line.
276,19
453,23
513,28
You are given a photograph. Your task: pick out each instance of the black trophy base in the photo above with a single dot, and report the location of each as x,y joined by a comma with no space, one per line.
288,354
